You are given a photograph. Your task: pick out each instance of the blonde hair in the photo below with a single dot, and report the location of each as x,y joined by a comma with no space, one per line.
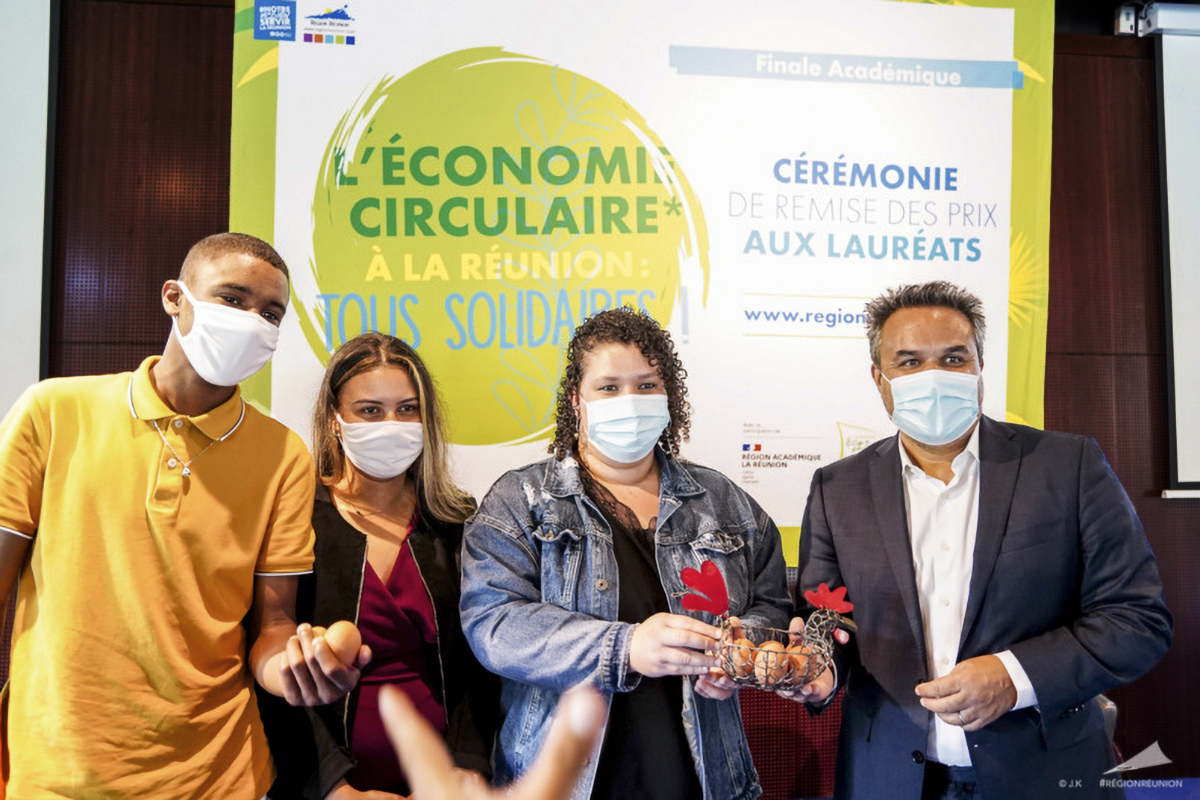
430,473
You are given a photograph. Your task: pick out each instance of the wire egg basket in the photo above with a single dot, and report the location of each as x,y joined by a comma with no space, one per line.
778,660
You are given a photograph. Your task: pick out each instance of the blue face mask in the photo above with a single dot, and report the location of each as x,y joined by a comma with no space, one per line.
935,406
625,428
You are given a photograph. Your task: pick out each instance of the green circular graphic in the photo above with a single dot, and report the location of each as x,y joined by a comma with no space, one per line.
480,207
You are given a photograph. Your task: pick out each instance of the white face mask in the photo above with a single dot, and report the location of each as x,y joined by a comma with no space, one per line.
225,345
626,428
381,450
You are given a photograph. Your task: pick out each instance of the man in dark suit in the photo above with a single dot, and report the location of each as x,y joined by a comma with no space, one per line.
1000,577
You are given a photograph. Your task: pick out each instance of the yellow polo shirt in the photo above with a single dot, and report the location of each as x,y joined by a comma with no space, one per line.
129,673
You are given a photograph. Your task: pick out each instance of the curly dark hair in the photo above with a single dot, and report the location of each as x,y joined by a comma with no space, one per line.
622,325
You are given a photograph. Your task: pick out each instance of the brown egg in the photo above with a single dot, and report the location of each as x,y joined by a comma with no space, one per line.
771,663
800,655
741,658
344,640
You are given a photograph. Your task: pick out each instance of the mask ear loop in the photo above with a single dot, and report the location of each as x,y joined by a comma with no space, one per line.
335,427
663,439
183,296
580,431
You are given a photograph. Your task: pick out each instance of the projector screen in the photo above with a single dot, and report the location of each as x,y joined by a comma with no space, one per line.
1179,106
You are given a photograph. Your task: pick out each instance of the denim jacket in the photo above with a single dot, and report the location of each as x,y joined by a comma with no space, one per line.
539,602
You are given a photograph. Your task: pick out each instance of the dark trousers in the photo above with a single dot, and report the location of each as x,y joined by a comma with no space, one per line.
949,783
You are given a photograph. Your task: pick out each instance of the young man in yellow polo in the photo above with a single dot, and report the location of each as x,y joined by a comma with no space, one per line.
146,515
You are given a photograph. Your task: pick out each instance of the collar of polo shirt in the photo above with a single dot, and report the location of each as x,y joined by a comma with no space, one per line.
144,403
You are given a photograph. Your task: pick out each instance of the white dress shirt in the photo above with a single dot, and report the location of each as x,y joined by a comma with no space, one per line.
942,521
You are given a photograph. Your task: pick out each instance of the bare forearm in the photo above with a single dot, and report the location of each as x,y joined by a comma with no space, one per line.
290,660
267,655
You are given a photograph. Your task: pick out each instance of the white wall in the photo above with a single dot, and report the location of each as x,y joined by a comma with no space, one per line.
24,89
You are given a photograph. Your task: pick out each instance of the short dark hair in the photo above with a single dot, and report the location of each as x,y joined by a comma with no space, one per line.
622,325
219,244
934,294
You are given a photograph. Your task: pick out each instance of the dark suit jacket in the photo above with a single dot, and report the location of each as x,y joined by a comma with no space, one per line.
1063,577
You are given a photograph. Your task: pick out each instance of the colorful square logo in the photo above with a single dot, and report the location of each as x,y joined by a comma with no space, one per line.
336,26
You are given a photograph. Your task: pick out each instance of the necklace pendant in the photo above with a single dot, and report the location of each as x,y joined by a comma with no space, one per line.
186,471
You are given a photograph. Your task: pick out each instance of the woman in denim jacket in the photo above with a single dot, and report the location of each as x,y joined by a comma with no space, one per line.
572,573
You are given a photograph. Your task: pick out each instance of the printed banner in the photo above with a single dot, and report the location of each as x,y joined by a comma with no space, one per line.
477,179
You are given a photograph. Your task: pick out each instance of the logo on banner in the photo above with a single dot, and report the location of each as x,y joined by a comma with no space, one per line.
275,19
854,438
780,456
332,26
481,207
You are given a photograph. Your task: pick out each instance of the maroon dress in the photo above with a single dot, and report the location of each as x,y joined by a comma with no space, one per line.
397,622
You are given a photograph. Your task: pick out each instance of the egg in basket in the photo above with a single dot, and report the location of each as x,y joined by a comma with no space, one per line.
770,658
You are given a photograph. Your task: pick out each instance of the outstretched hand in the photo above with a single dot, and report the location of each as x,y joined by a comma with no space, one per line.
344,791
430,770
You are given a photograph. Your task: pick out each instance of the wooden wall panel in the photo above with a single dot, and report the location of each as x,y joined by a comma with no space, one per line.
1105,364
142,171
1105,278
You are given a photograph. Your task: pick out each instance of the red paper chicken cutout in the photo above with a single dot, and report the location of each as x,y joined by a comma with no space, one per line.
709,592
834,600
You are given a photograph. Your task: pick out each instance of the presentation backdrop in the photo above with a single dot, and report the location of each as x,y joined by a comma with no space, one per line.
478,178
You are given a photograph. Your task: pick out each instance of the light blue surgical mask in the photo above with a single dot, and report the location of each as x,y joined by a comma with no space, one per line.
625,428
935,406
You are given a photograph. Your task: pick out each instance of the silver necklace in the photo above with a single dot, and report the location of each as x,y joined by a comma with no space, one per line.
378,512
187,465
358,510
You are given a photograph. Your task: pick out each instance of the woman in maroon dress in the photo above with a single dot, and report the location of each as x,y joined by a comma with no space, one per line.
388,521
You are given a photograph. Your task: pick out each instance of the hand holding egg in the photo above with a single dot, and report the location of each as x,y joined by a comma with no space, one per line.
343,639
315,675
